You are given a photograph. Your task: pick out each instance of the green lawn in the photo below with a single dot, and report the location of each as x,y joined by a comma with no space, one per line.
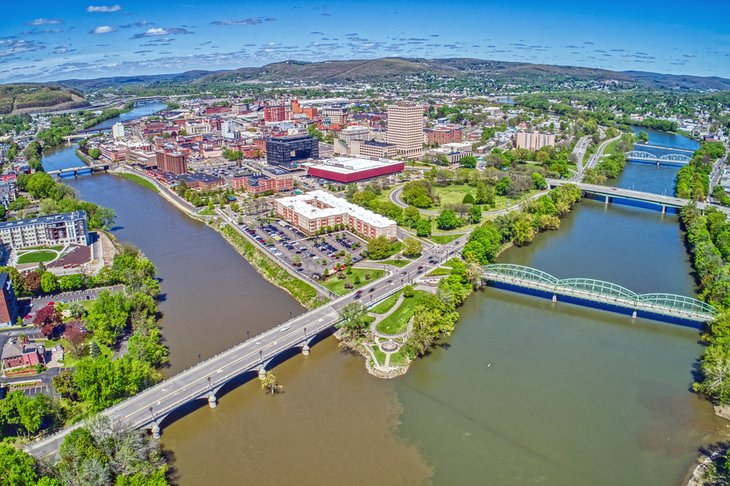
398,359
396,263
444,239
453,194
138,180
337,285
611,147
207,212
440,271
379,355
386,305
37,257
397,322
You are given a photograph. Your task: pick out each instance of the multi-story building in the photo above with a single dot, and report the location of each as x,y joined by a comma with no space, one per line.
534,140
274,113
288,150
53,230
343,143
405,129
353,169
8,192
320,210
258,183
441,135
118,130
8,304
174,162
374,149
333,115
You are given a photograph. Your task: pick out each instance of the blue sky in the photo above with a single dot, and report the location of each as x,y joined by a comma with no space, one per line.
61,39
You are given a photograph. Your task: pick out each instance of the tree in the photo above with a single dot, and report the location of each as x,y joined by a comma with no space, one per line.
17,468
412,247
65,385
39,185
49,320
468,199
423,228
353,321
411,216
94,153
75,336
32,283
539,181
448,220
468,162
49,283
108,316
524,232
67,283
270,385
475,214
379,248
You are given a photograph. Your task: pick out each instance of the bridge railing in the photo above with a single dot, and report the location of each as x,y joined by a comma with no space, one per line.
600,291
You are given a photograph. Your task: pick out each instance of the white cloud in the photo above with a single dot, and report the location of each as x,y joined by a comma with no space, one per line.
103,29
11,47
104,8
158,31
38,22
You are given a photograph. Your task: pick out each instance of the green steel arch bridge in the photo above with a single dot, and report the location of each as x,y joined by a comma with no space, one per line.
598,291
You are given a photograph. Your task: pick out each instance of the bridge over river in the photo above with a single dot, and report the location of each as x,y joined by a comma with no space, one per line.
588,291
212,378
79,170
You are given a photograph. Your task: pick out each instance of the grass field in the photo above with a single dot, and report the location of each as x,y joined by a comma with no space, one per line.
444,239
138,180
396,263
453,194
440,271
397,322
386,305
337,285
207,212
37,257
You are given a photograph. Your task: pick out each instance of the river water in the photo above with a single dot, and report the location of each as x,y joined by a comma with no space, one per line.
524,391
649,177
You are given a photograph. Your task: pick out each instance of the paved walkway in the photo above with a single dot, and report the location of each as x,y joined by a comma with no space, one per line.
380,317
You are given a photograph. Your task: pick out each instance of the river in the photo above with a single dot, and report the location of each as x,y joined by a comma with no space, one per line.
649,177
525,391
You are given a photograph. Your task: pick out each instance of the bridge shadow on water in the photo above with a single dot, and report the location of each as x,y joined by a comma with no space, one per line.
633,203
618,309
183,410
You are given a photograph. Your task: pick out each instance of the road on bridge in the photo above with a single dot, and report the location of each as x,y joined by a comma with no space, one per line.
205,379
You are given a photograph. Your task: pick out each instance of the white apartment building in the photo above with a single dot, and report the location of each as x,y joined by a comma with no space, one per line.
319,209
53,230
118,131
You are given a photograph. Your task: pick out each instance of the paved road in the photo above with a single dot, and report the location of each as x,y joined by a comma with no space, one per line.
579,151
595,158
207,377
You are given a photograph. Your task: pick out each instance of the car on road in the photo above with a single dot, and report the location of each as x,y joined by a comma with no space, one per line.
358,294
372,289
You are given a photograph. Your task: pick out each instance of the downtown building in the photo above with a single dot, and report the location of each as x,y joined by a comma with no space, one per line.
405,129
53,230
534,140
353,169
286,151
318,210
173,162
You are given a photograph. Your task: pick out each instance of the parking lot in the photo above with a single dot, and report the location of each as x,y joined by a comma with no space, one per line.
309,255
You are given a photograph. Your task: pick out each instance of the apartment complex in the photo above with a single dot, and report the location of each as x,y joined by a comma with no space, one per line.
319,209
534,140
53,230
257,183
442,135
405,129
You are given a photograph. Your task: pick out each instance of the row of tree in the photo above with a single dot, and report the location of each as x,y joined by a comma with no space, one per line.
98,454
693,180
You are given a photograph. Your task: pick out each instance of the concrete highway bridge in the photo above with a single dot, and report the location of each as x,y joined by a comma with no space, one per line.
80,170
207,381
617,194
597,293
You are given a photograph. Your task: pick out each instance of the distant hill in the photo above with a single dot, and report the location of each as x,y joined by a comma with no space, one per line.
395,68
31,98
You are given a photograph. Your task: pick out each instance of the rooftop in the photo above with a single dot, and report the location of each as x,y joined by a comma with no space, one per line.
302,204
51,218
347,165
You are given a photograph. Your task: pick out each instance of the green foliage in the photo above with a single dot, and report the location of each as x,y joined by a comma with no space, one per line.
94,153
412,247
49,283
418,193
539,181
475,214
233,155
468,162
693,180
17,468
353,320
108,316
380,248
423,228
448,220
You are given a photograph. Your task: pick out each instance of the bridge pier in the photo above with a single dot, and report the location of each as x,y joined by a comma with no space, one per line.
664,209
555,298
156,431
262,373
212,401
633,314
606,200
305,350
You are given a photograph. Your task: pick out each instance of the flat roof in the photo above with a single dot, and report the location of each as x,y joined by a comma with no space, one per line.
349,165
51,218
301,204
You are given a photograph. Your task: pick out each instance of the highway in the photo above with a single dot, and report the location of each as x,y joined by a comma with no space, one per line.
579,151
207,377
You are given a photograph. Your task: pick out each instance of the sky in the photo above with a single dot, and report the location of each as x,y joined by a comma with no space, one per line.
63,39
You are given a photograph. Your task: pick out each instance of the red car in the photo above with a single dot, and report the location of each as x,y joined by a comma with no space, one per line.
51,303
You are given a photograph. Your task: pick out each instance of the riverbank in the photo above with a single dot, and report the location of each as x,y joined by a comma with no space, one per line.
268,268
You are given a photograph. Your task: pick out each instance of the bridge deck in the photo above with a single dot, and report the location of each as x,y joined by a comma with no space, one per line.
598,291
